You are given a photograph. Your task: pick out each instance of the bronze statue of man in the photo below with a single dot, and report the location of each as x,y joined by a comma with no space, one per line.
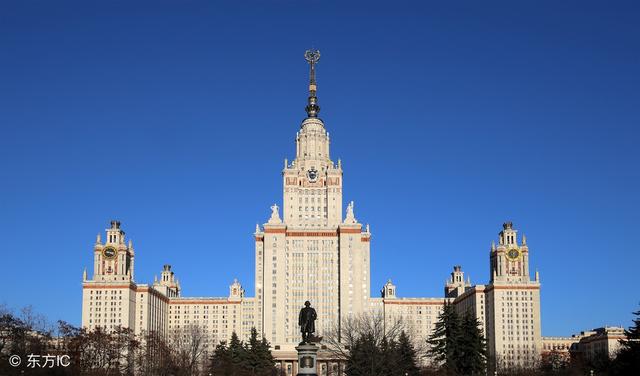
306,320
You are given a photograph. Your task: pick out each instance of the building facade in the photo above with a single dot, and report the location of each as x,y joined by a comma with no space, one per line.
598,343
312,252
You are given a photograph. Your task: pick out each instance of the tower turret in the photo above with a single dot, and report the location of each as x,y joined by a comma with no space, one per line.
236,292
509,260
456,284
168,282
388,290
113,260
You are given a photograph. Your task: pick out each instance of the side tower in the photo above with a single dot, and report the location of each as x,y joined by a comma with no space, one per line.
513,304
456,284
108,299
168,284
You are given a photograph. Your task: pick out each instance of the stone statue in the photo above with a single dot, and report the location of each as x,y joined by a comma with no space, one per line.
306,320
350,218
275,215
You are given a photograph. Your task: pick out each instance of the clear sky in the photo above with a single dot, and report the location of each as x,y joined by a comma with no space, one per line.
450,118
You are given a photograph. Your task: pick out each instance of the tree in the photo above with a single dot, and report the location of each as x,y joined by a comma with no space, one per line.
389,356
237,352
457,344
252,358
360,334
72,344
407,360
124,345
366,357
386,357
220,363
628,360
22,335
553,362
188,346
472,346
155,357
258,358
443,342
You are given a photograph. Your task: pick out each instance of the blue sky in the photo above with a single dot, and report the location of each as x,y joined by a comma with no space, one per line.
175,117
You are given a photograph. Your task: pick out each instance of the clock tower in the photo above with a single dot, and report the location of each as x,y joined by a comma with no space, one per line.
513,304
510,260
113,259
108,299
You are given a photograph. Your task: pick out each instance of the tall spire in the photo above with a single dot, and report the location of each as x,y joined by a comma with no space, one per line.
312,57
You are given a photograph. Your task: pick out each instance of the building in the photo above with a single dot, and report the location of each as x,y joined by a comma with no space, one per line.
313,252
111,298
600,342
588,345
561,346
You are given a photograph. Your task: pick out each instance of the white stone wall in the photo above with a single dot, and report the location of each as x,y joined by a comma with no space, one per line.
107,305
514,324
418,316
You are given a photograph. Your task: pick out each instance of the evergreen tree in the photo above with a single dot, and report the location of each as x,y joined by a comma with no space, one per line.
220,363
267,361
243,359
457,343
259,360
472,347
406,362
252,360
443,342
355,366
237,352
389,355
628,360
365,357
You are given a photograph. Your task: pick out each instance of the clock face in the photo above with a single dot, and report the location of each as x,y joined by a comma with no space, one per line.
513,253
109,252
312,174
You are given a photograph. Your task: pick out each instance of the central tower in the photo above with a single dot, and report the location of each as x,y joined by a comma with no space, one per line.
311,252
312,182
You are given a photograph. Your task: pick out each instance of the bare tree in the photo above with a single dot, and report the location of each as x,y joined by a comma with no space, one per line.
7,325
188,347
98,356
4,309
155,357
124,344
35,321
340,339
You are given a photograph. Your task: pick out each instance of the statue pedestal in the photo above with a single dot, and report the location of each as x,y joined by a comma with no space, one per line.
307,358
